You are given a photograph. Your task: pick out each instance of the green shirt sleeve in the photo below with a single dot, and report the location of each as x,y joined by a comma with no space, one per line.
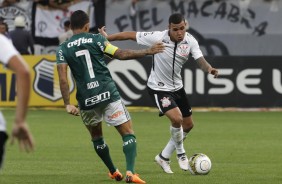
60,55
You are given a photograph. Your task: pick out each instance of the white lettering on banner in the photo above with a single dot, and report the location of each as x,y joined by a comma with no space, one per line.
276,80
151,17
188,75
200,77
97,98
227,84
242,81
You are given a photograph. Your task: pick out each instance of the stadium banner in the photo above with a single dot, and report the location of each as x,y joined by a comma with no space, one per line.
230,27
243,82
223,28
45,89
49,22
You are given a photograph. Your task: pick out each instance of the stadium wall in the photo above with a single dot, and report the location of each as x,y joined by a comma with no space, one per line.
244,82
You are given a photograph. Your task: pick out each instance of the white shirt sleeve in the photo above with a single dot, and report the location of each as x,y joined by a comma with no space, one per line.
7,50
148,38
195,48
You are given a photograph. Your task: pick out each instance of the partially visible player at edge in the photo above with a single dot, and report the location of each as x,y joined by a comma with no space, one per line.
10,57
97,95
165,84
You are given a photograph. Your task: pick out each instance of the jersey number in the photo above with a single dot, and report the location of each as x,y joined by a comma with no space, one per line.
88,61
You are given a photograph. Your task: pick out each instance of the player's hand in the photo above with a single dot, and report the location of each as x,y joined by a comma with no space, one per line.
71,109
21,132
102,31
214,72
157,48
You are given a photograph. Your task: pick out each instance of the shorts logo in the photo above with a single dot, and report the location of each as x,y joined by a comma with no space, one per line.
46,80
166,102
116,115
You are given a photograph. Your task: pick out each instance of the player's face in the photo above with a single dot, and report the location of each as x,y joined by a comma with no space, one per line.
2,29
177,31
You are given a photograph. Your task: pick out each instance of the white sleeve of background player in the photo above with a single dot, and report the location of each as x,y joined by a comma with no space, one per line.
148,38
7,50
195,48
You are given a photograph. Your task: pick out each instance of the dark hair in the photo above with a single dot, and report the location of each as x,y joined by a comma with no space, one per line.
78,19
67,23
176,18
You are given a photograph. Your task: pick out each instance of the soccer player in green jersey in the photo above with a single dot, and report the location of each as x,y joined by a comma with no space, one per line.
97,95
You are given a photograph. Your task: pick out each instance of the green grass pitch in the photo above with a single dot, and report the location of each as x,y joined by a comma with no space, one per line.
244,147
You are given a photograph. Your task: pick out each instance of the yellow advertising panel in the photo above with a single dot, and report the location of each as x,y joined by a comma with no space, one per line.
45,89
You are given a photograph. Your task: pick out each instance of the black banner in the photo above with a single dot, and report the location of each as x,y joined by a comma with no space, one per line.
243,82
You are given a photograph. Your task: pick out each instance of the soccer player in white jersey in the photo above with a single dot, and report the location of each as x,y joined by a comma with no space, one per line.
165,84
12,60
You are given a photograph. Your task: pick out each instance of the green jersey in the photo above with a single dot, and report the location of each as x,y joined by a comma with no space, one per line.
84,54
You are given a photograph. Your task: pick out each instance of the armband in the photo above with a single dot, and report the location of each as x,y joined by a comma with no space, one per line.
110,49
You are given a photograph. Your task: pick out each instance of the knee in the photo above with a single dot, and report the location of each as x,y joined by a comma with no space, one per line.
177,121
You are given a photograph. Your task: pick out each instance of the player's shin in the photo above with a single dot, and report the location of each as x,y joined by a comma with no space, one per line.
102,150
177,137
129,149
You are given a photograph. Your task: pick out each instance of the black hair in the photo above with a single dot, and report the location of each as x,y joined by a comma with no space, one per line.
176,18
67,23
78,19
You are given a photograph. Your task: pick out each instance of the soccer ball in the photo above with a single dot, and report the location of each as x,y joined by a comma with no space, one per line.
199,164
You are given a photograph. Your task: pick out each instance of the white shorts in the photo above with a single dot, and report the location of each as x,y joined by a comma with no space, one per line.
113,114
2,123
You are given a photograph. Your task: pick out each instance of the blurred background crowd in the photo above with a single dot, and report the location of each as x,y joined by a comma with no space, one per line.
38,26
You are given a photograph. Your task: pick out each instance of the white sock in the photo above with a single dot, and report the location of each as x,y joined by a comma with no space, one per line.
170,147
177,137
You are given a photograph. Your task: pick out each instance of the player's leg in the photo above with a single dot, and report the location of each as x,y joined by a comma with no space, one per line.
3,138
187,125
93,122
101,148
130,151
176,131
186,110
167,102
117,115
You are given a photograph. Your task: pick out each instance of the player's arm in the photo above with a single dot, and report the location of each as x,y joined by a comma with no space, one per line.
123,54
128,35
20,129
63,80
21,69
64,87
206,67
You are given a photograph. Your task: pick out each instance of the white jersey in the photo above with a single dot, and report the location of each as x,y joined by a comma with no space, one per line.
166,70
7,50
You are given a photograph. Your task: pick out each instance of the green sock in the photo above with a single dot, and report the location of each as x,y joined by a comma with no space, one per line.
129,149
103,151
